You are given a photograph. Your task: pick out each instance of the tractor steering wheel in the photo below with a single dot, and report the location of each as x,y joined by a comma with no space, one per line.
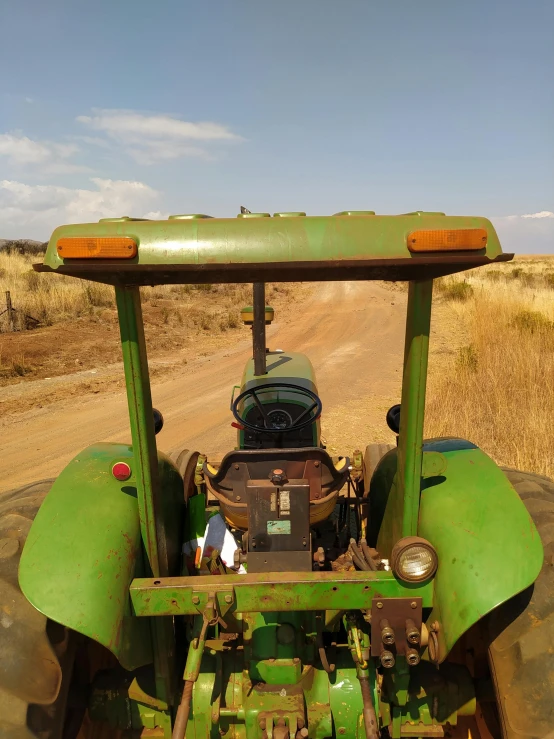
278,421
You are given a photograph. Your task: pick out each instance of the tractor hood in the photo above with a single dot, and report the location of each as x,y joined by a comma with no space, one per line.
293,368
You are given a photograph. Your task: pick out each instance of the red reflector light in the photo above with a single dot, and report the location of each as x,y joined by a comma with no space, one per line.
121,471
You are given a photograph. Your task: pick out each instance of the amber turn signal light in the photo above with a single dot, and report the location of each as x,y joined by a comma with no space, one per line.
84,247
459,239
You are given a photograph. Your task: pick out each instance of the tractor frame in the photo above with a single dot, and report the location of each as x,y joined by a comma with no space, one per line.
103,563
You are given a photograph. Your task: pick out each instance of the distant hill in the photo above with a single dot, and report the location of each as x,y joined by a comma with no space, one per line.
22,246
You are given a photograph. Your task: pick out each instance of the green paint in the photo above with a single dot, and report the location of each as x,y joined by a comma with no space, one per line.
212,243
120,700
152,521
345,698
273,640
433,698
103,557
290,367
297,591
316,685
142,429
83,550
293,368
416,349
228,692
488,547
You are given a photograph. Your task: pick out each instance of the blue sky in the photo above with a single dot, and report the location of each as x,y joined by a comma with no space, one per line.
150,108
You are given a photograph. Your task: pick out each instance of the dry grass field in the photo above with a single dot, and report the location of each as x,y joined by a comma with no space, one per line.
78,321
496,384
491,369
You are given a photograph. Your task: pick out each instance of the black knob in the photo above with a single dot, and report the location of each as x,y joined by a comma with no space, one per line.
158,420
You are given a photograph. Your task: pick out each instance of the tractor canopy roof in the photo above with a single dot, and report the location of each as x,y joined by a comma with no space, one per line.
289,247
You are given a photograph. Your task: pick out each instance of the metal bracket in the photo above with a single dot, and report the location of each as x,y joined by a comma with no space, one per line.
395,626
223,600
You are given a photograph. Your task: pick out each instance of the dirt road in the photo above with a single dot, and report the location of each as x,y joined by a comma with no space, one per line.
352,332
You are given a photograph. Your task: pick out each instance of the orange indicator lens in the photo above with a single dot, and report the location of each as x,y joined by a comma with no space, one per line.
461,239
84,247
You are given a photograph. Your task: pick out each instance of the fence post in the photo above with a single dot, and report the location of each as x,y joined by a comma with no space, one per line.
10,311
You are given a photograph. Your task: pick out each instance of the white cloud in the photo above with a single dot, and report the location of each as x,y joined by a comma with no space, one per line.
540,214
530,233
129,122
46,156
151,138
93,141
33,211
156,151
156,215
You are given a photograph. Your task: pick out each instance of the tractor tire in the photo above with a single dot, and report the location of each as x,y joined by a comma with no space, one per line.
38,697
521,631
30,670
372,456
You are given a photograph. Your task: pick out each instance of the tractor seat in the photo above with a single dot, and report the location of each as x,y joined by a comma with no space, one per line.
308,463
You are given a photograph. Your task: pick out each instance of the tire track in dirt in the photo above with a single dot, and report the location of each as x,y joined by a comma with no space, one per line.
352,332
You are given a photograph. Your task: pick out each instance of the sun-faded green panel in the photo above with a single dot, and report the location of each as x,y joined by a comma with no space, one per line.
83,550
416,351
291,367
272,591
206,244
487,544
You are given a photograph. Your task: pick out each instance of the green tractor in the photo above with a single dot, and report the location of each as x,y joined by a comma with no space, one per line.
277,593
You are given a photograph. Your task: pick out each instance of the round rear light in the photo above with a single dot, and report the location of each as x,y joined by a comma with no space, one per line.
121,471
414,559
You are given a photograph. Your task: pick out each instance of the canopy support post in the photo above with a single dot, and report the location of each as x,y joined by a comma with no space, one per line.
414,383
145,468
258,329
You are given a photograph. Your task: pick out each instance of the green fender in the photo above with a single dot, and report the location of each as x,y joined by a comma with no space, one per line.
488,547
84,548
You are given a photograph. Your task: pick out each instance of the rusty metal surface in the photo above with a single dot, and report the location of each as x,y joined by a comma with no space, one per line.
394,614
278,526
263,592
311,463
417,268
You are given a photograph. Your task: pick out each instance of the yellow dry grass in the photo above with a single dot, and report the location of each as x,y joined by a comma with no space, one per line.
51,298
75,319
494,385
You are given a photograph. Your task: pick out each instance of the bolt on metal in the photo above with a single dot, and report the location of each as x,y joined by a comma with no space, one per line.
387,633
412,632
387,659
